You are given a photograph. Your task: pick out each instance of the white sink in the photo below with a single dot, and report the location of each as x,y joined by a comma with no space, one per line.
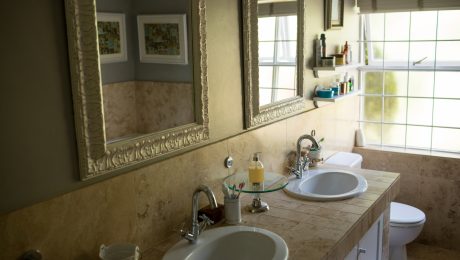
327,184
234,242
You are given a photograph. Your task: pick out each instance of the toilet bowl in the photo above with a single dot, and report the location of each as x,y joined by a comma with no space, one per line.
406,222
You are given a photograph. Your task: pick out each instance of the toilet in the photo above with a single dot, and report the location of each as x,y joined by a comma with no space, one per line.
406,222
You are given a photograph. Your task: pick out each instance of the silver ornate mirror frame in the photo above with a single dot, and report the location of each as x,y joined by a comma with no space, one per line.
255,115
96,157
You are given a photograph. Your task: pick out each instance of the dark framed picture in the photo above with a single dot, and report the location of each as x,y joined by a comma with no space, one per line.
333,14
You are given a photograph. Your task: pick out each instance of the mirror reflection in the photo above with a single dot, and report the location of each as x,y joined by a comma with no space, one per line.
277,39
146,60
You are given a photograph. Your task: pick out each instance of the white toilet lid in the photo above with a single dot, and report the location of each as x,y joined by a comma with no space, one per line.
405,214
345,159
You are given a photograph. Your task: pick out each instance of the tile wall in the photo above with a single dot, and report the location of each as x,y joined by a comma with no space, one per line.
141,107
146,205
430,183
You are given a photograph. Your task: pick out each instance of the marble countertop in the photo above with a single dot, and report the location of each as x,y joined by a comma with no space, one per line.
316,230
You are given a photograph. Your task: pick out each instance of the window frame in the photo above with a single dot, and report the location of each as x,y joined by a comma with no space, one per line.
276,64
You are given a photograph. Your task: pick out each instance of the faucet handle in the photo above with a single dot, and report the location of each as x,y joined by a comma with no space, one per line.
295,172
205,222
292,170
182,230
306,162
205,219
186,234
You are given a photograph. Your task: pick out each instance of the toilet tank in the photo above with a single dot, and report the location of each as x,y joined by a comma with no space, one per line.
345,159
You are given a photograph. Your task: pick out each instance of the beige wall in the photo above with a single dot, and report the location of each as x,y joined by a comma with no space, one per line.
430,183
120,110
143,206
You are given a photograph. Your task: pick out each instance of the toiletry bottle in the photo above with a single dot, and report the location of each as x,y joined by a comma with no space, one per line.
318,52
256,169
345,53
350,55
323,45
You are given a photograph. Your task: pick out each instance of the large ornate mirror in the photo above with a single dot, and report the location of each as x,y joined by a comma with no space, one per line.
273,58
139,80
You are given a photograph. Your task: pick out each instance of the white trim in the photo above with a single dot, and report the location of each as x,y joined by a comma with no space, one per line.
406,68
387,148
380,6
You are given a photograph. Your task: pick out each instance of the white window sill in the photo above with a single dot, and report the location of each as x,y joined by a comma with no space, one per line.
408,68
409,151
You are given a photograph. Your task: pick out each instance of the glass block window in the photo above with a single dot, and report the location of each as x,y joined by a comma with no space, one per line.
411,80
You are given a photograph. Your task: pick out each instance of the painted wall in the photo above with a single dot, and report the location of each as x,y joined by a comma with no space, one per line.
39,153
43,203
430,183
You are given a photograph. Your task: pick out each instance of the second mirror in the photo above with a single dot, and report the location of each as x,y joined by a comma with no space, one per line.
273,59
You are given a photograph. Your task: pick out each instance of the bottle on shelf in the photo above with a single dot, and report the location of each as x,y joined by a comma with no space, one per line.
318,52
345,52
323,45
256,170
350,54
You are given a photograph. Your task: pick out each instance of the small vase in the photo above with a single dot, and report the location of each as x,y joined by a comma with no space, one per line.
315,157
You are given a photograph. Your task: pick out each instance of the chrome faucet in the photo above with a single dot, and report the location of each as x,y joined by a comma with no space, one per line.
197,228
302,161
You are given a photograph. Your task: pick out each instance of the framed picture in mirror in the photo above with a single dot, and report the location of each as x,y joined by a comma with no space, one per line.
163,38
333,14
111,30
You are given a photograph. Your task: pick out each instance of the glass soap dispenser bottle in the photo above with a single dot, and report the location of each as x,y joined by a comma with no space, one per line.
256,170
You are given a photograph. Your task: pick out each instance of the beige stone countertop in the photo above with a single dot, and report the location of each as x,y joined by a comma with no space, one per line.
317,230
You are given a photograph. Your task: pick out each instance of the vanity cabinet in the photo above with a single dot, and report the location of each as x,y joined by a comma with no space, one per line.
370,245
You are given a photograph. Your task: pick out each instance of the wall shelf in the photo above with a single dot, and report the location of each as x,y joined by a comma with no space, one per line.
320,72
335,98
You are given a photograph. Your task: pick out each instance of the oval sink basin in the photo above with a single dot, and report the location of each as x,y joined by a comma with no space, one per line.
327,184
235,242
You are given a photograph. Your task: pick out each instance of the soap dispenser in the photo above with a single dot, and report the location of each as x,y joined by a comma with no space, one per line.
256,169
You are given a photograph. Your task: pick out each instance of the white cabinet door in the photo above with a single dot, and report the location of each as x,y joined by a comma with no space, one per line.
353,255
370,246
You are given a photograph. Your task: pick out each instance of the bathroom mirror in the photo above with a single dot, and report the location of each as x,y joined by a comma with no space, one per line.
136,69
273,59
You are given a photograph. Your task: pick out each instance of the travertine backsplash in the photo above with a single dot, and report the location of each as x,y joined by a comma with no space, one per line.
144,205
142,107
120,109
430,183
